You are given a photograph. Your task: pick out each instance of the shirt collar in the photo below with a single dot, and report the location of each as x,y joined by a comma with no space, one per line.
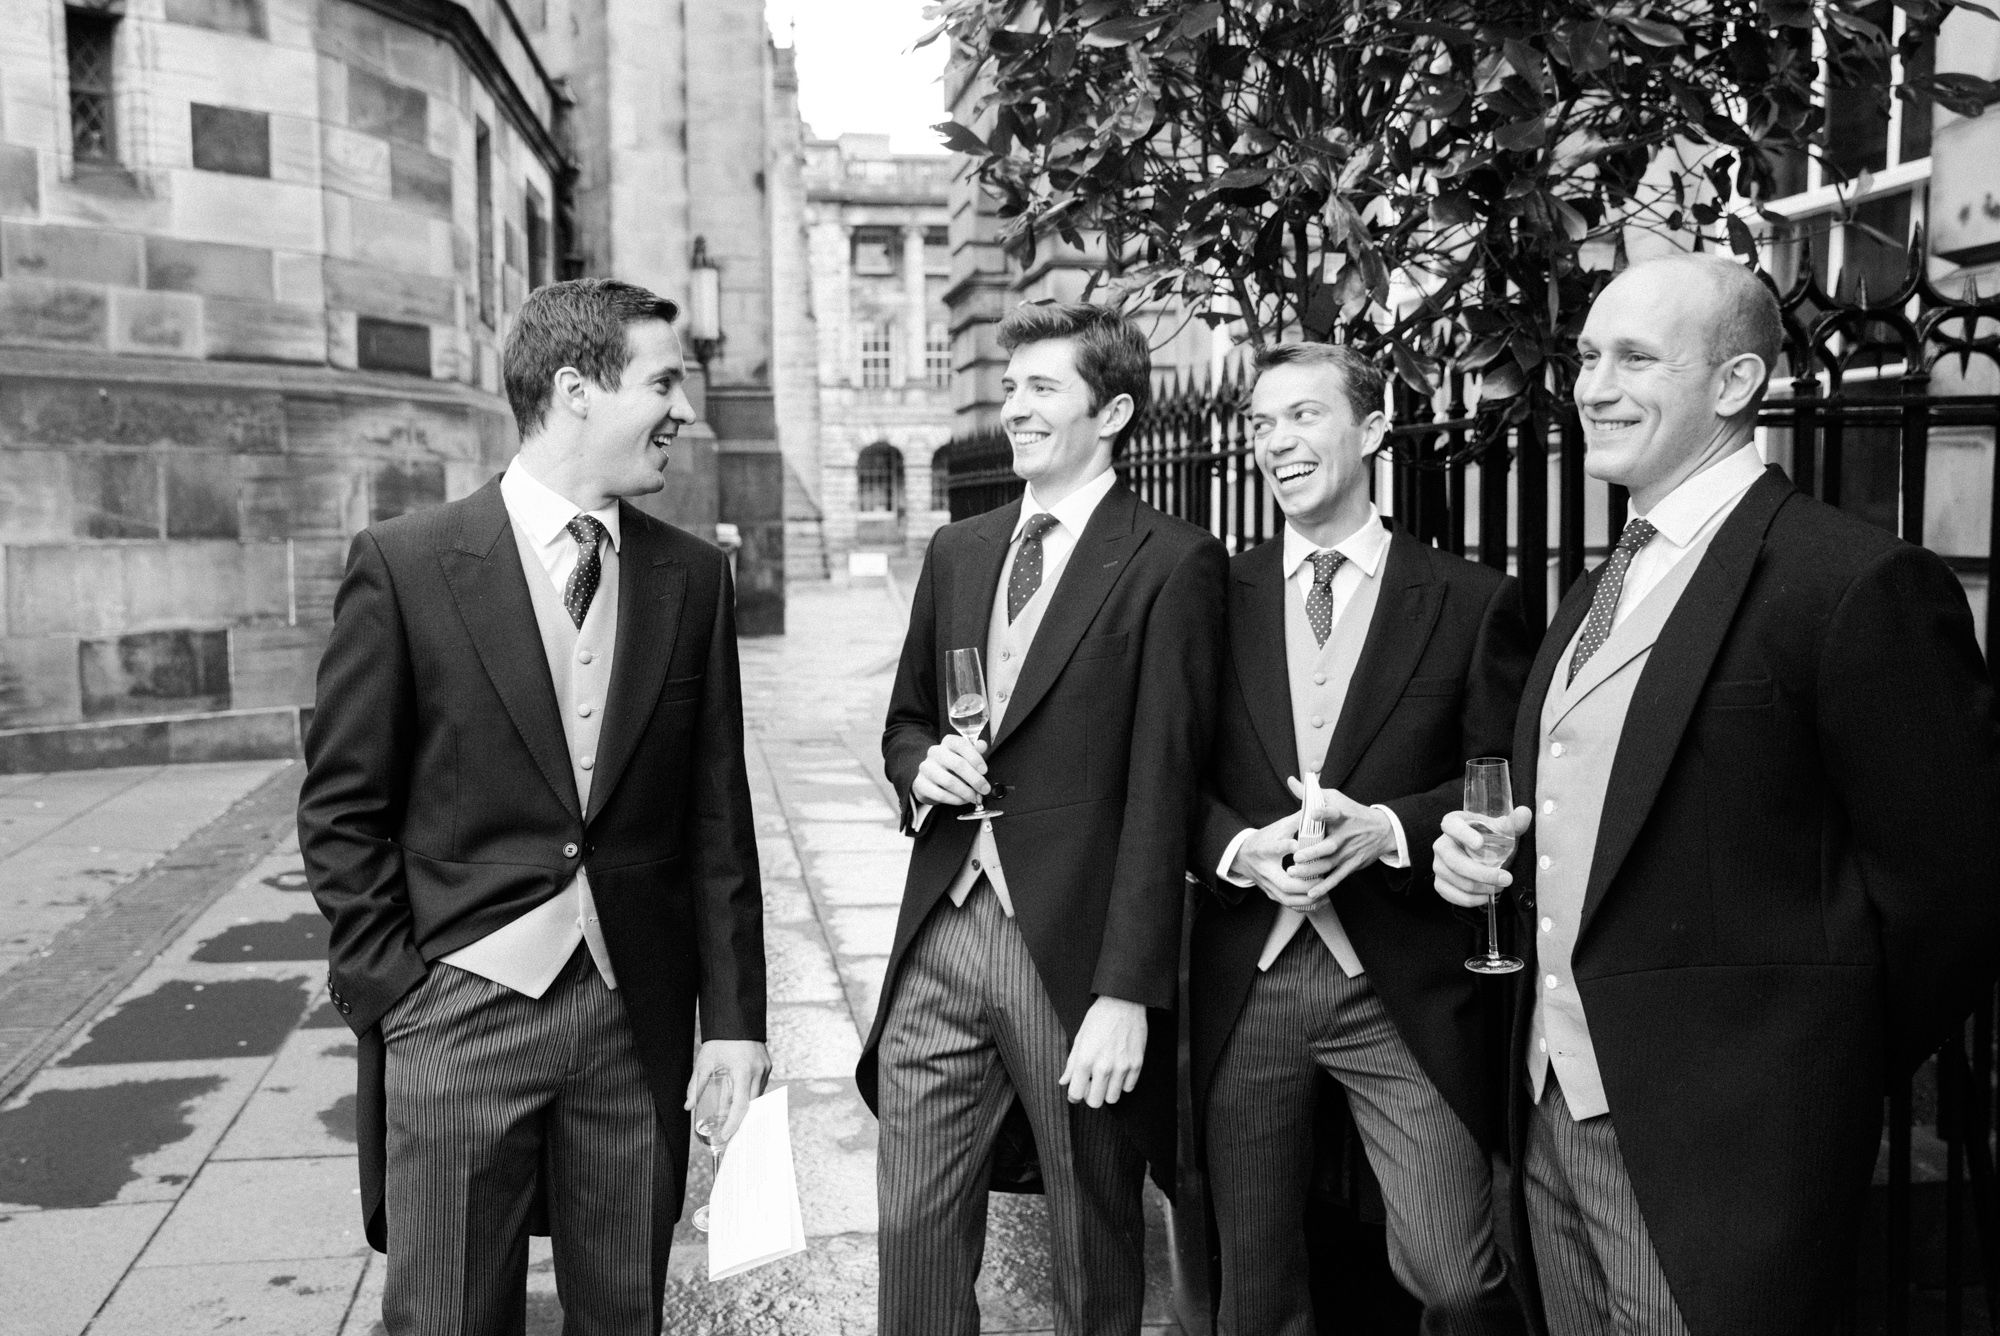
1684,512
1073,511
544,513
1365,547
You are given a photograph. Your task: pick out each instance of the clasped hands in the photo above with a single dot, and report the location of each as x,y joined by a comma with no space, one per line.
1356,835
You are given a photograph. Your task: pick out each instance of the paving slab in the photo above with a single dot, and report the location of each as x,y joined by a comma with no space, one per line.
859,931
58,1267
281,1298
863,878
303,1106
263,1210
812,1039
797,965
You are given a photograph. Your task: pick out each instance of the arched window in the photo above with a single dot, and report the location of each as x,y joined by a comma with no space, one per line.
941,479
878,480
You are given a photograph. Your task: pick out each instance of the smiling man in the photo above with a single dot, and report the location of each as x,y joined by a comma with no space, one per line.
1036,953
526,815
1379,664
1760,749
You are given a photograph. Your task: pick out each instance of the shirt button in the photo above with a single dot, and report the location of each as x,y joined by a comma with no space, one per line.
584,656
569,851
1555,749
1548,925
1547,862
1553,981
586,762
583,710
1548,807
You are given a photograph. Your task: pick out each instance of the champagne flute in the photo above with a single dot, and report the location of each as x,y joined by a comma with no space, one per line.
965,690
1489,807
711,1115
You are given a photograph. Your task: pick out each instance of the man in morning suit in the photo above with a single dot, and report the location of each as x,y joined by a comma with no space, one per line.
1036,953
1759,745
526,815
1380,664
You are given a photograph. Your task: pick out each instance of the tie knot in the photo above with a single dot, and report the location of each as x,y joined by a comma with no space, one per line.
587,530
1037,525
1325,564
1637,534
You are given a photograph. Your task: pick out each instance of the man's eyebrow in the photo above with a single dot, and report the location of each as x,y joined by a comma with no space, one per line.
669,375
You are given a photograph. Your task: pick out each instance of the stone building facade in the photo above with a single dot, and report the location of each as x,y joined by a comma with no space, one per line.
257,258
880,259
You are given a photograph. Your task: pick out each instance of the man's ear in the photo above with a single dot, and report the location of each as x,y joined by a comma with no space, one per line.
1742,376
1117,414
1374,431
571,392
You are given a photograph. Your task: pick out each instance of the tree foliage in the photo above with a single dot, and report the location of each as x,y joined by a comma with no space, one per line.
1430,178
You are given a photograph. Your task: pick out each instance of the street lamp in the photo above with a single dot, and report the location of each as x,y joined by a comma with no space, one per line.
704,306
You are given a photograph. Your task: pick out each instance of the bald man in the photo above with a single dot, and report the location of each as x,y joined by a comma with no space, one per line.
1755,878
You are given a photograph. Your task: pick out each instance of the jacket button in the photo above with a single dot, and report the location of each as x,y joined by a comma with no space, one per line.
570,850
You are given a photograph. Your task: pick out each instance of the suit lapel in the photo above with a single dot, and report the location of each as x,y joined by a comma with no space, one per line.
1103,552
1406,611
1673,677
972,609
1541,679
1257,640
651,589
482,568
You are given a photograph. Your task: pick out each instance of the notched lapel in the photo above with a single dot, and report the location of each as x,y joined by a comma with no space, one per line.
652,587
1672,680
1103,553
1541,679
1257,640
972,603
1406,612
482,568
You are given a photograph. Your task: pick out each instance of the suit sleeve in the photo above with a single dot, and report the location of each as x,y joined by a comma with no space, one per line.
911,729
351,804
730,912
1180,672
1907,731
1215,825
1501,656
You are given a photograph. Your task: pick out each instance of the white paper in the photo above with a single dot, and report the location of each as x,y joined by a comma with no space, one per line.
753,1211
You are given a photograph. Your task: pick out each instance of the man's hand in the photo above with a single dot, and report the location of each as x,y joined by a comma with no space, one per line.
1461,878
1262,859
749,1067
1110,1048
1356,835
953,774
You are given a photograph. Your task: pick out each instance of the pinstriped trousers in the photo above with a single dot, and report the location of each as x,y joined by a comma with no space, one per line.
1593,1256
489,1090
970,1025
1302,1015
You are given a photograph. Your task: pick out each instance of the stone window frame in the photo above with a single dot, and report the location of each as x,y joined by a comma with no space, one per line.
878,477
878,350
482,176
941,478
937,356
107,21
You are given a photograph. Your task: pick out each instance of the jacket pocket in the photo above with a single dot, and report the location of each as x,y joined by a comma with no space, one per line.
1100,647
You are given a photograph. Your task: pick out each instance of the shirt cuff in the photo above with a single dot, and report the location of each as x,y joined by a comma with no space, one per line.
1401,858
1229,857
921,812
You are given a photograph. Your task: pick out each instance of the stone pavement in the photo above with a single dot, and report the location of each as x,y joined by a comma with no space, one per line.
181,1160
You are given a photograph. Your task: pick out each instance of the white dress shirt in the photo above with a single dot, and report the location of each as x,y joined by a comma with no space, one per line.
543,514
1366,550
1686,518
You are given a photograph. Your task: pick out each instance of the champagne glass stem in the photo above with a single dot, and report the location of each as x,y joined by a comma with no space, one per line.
1492,928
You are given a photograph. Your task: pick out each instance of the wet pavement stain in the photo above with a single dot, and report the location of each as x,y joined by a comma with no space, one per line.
300,937
68,1148
294,880
239,1018
324,1017
338,1118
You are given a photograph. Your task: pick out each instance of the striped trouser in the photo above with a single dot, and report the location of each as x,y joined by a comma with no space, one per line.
969,1027
1593,1256
1304,1015
489,1090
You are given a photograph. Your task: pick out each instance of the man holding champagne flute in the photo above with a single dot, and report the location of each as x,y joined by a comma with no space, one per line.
1364,667
1036,952
1759,747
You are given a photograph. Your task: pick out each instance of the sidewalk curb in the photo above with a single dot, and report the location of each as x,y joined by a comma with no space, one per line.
47,998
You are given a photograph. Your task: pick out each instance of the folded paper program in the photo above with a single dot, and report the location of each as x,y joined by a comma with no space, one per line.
754,1208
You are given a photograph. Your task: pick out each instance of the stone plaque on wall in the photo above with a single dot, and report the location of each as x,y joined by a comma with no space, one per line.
154,672
230,139
392,345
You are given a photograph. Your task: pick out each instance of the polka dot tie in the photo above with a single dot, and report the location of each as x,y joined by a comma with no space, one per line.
1319,601
1027,577
1610,584
583,580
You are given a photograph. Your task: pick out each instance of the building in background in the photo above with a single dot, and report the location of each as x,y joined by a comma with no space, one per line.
880,261
257,258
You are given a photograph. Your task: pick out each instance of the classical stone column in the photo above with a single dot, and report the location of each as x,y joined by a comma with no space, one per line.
916,319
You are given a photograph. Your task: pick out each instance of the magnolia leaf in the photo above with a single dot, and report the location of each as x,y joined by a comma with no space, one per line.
958,139
1589,46
1574,225
1118,32
1417,371
1503,382
1651,31
1741,239
1452,210
1200,19
1522,136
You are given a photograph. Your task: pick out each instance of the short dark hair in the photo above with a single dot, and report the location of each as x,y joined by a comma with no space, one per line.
1362,378
1112,355
580,323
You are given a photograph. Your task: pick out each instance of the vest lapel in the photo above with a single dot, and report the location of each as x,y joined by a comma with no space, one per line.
651,589
1406,611
1103,551
1674,676
482,569
1257,624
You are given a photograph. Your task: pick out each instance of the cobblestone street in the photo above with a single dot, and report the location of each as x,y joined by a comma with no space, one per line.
176,1136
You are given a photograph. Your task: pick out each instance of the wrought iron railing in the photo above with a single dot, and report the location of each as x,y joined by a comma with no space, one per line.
1872,385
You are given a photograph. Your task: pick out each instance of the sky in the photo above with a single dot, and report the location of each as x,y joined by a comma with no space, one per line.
857,74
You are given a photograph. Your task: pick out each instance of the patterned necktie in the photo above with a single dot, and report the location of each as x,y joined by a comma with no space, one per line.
1027,577
1610,584
1319,602
583,580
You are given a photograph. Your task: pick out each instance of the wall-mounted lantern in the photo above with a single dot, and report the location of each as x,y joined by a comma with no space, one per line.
704,326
